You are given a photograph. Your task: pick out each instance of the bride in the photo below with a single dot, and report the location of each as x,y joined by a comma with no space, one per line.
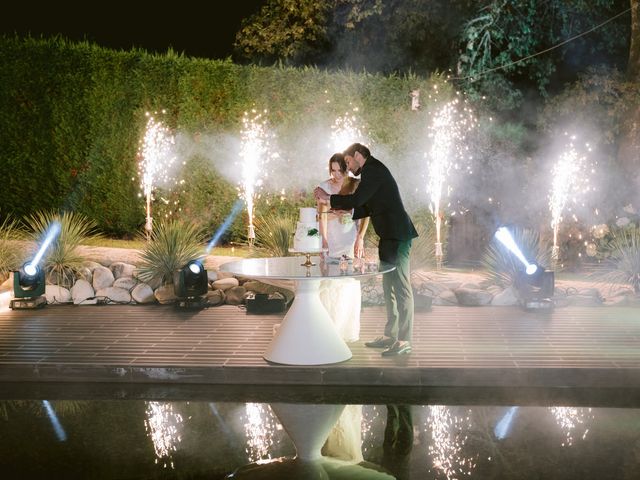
341,235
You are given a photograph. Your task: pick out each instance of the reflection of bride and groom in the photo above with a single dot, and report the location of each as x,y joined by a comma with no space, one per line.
328,443
345,205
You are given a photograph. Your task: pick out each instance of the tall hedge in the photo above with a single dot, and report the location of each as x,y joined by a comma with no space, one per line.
72,116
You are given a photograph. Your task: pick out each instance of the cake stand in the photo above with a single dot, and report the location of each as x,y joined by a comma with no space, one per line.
307,254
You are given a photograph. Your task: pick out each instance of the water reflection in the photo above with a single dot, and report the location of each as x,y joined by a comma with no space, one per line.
569,419
449,433
217,440
164,426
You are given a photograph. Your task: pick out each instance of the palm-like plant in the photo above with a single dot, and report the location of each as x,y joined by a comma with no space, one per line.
172,245
62,260
622,265
502,266
423,247
10,256
274,233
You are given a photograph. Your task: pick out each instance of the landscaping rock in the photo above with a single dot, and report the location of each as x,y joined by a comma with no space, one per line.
102,278
422,303
472,297
165,294
506,297
91,265
235,295
225,283
221,274
212,276
114,295
81,291
85,273
215,298
143,293
446,298
57,294
121,269
125,282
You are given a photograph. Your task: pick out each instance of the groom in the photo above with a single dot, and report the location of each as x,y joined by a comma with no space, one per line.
378,197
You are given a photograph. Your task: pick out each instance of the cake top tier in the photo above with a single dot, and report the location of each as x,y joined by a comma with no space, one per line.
308,215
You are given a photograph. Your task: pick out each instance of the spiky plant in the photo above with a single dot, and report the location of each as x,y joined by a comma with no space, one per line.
10,253
273,234
172,245
622,265
423,247
502,266
61,259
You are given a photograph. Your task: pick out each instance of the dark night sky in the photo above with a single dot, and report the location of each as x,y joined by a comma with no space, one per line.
200,29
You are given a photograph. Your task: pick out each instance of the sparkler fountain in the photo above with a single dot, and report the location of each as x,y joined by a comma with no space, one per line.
156,155
568,182
448,132
255,156
345,131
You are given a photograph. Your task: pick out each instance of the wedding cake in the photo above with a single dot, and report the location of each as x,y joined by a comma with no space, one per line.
307,236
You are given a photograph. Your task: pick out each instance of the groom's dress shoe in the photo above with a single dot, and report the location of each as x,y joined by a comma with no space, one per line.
380,342
397,349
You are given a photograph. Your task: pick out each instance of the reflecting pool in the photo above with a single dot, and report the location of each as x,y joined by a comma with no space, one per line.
140,439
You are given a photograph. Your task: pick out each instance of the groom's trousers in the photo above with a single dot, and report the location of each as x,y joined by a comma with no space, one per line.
398,294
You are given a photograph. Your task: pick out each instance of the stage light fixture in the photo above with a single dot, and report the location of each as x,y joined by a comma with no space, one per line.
190,284
536,289
28,287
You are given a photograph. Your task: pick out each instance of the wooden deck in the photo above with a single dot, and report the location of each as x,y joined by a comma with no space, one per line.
454,347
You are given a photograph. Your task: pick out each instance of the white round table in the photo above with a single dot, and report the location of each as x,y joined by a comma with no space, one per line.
307,335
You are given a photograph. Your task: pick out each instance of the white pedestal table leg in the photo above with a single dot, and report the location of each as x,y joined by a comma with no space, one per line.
307,335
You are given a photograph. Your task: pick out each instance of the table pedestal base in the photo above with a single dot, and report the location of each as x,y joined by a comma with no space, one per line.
307,335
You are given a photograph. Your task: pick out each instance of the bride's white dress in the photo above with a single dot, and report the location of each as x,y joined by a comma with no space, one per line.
341,297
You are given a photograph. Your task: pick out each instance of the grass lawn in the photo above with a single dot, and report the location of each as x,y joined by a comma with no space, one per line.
222,250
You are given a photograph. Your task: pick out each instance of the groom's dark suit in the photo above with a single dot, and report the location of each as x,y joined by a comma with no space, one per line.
378,197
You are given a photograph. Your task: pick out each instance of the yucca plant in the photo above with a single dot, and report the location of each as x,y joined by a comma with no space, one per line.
172,245
622,265
423,248
274,233
10,252
502,266
61,259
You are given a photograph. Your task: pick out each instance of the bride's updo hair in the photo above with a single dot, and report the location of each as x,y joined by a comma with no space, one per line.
349,184
339,159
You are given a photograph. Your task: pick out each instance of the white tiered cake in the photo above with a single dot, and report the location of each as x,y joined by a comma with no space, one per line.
307,237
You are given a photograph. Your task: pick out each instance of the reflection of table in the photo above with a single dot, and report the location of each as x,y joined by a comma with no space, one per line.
306,335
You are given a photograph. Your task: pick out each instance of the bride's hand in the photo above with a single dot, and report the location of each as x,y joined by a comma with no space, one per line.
358,248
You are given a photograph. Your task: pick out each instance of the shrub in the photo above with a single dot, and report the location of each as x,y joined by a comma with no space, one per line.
173,244
274,234
622,263
10,230
61,259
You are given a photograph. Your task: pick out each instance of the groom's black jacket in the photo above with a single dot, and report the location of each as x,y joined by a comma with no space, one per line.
378,197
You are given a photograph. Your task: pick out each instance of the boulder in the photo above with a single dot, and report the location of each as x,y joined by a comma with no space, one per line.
225,283
446,298
215,298
506,297
125,282
212,276
235,295
143,293
165,294
85,273
57,294
81,291
102,278
472,297
122,269
114,295
91,265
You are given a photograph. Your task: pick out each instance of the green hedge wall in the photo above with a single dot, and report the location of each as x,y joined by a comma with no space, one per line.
72,116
